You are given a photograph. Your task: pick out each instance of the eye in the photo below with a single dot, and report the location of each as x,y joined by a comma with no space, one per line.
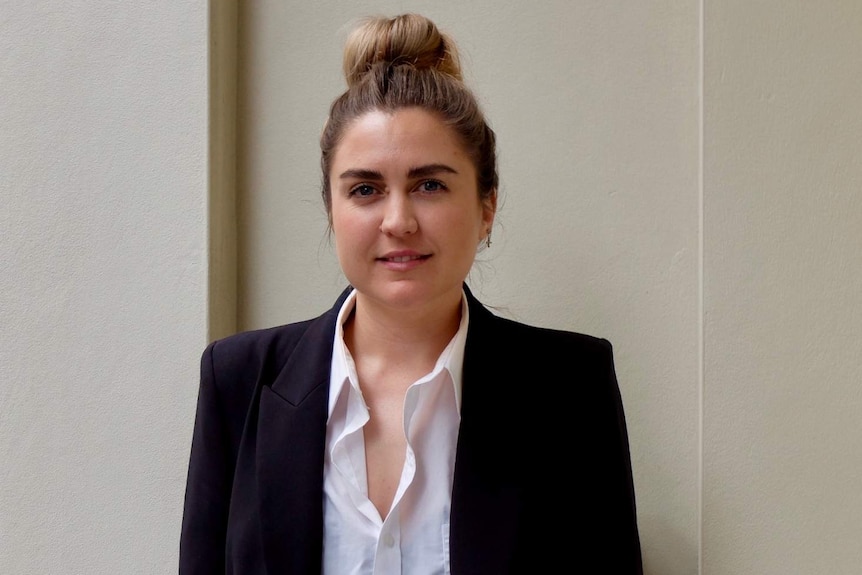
362,191
431,186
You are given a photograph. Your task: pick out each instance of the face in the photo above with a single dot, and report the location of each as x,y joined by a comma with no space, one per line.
406,213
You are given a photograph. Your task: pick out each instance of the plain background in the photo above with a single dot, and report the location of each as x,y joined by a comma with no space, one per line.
681,178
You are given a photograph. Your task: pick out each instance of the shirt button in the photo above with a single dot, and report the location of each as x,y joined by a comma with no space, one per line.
388,540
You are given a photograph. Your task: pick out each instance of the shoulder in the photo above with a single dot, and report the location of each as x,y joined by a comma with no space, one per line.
256,347
510,339
270,348
509,358
553,353
548,336
236,367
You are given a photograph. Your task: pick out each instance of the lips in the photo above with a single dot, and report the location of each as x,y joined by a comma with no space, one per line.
404,260
401,259
403,256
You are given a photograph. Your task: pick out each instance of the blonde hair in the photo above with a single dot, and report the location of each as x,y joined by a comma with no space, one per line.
408,38
402,62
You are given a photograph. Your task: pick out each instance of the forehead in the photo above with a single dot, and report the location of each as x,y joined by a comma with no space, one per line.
404,138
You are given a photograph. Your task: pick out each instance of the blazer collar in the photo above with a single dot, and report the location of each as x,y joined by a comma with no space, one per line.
485,504
291,439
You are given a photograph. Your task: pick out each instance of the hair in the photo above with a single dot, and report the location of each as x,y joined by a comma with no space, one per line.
403,62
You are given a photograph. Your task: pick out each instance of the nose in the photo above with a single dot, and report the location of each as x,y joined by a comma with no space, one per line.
399,218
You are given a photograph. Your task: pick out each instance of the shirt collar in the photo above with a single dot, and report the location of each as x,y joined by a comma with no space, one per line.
451,359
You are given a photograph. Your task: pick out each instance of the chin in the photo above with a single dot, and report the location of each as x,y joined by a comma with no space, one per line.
403,294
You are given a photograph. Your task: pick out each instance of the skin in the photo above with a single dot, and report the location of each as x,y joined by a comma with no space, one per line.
380,209
407,220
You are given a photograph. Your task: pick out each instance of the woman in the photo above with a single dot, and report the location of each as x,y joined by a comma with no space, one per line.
408,429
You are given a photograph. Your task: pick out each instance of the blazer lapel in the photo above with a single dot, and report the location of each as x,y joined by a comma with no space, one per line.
484,502
290,444
290,452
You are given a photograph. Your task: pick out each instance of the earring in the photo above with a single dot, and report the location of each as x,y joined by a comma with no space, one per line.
488,239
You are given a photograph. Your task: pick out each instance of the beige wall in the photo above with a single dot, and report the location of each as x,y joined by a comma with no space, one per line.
782,204
682,179
103,299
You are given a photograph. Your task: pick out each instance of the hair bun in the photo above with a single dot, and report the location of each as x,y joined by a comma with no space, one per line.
408,39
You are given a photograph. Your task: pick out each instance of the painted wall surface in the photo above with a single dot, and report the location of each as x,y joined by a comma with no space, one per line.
706,219
595,105
103,144
782,432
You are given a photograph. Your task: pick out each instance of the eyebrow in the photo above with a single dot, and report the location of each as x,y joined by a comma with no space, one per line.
418,172
430,170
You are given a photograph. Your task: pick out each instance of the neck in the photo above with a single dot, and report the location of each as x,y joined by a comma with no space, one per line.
402,335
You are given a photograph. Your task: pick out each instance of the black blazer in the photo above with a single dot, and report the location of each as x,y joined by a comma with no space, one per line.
542,484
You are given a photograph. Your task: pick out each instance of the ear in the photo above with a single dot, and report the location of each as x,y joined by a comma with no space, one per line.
489,210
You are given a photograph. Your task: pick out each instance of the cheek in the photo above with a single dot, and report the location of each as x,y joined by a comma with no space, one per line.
352,230
462,229
469,221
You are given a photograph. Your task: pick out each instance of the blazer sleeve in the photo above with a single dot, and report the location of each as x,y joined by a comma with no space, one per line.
626,510
207,497
543,474
597,498
586,424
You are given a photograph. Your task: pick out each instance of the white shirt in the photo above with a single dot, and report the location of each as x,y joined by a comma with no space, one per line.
413,539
